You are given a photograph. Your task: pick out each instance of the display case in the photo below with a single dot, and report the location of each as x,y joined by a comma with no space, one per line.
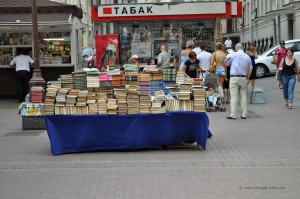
144,39
55,48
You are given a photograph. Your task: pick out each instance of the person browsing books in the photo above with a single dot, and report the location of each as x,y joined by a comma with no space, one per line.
22,62
135,60
191,67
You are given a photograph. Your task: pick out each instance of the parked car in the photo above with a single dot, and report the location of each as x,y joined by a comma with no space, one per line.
263,63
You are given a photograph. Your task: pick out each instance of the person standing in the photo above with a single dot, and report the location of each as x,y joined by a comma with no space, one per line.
185,54
281,53
197,48
288,71
22,62
218,58
135,60
163,60
204,58
228,43
240,71
251,51
191,67
176,57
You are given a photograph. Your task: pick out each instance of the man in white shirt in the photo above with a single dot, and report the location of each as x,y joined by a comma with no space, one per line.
204,58
240,71
163,60
197,48
228,43
23,71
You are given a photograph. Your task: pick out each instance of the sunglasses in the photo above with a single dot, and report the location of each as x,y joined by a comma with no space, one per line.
282,43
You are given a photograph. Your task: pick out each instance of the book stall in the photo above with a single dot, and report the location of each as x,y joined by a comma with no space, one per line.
122,97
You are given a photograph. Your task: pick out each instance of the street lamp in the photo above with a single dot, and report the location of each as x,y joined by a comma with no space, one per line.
37,79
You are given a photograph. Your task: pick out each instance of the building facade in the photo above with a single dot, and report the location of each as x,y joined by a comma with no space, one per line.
266,22
143,25
87,30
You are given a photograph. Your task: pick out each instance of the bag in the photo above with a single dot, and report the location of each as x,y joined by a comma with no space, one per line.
213,67
275,58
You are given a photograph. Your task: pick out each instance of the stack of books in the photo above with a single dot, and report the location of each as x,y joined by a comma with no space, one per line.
156,75
155,86
173,89
118,81
197,81
186,105
51,93
180,77
92,77
101,103
157,106
133,99
81,105
145,104
131,78
72,97
92,103
79,79
66,81
169,74
130,68
144,77
61,101
37,93
113,70
166,85
112,106
184,92
144,88
121,96
188,81
106,85
199,98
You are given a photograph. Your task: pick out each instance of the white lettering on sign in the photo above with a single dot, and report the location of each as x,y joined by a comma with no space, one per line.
163,9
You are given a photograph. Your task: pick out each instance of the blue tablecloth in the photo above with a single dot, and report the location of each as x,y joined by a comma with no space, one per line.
80,133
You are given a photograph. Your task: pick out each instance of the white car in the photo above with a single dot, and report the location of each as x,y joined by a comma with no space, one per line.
263,62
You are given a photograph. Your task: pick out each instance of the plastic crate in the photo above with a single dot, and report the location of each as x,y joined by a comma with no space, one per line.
33,122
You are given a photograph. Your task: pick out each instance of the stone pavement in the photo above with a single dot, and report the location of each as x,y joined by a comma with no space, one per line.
254,158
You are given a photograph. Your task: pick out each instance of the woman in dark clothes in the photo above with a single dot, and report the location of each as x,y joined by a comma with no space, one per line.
251,51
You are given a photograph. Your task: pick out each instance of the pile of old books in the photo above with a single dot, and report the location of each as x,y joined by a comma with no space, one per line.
118,81
130,68
113,70
156,86
133,99
199,98
131,78
92,103
37,93
101,102
180,77
92,77
169,74
121,96
145,104
51,92
79,79
66,81
184,92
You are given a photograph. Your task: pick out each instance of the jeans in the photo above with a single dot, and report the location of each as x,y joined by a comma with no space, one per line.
288,83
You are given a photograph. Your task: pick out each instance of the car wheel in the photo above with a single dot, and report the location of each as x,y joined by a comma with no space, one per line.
261,71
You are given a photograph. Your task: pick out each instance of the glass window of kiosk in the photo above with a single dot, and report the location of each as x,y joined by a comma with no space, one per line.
55,47
144,39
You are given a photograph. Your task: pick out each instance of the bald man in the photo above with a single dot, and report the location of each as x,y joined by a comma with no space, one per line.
240,71
163,60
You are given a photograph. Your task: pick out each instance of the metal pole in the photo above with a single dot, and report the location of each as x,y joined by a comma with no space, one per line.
277,23
35,36
251,28
37,79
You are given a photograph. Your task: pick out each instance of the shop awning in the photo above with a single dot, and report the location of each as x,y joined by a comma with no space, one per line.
233,34
59,22
21,18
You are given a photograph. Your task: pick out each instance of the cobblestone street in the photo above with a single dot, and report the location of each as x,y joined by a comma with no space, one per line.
254,158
